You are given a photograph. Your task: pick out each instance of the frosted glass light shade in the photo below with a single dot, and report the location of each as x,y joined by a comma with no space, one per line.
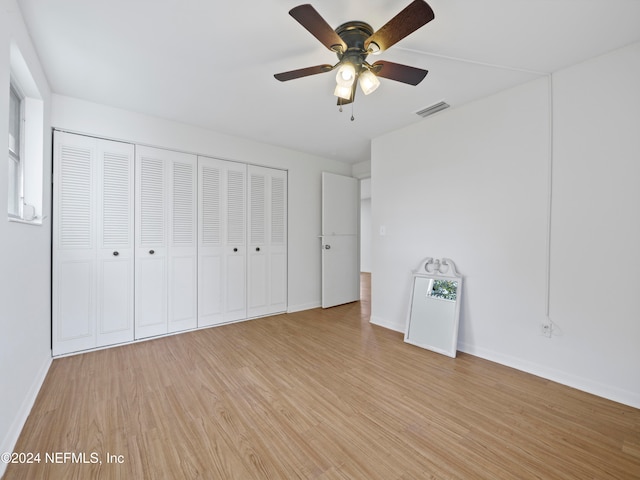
342,91
368,82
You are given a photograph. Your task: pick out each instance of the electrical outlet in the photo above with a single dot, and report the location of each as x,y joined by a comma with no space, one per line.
546,329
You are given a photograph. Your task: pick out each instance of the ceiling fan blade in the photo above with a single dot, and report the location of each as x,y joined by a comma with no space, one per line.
309,18
414,16
399,72
303,72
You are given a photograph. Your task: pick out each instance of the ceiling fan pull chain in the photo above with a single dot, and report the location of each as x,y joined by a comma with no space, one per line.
352,107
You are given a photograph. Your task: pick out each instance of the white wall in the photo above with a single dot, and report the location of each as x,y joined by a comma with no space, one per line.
304,175
25,320
365,235
472,185
596,222
365,225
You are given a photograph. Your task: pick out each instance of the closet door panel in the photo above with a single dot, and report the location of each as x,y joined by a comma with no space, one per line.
278,241
115,265
151,245
151,289
115,307
278,281
183,278
211,269
236,205
74,308
236,291
222,244
75,195
267,261
166,242
183,251
73,269
210,290
257,298
235,248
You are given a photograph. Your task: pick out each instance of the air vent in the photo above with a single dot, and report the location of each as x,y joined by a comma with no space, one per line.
436,107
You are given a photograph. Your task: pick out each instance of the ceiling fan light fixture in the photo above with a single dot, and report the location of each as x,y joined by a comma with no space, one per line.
368,82
346,75
353,41
343,91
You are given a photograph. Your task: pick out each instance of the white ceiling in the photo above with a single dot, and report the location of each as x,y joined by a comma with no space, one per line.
211,63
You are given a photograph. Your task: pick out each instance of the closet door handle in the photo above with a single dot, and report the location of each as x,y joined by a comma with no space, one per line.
116,253
235,249
151,252
257,249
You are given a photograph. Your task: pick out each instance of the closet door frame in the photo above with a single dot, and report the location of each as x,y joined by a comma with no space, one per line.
137,264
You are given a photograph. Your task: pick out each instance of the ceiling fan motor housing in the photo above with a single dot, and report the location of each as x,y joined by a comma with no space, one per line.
354,34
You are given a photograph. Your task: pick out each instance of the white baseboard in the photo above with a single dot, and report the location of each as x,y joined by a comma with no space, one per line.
10,439
580,383
300,308
584,384
381,322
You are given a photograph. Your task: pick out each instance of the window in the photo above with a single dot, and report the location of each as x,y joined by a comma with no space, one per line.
26,143
15,151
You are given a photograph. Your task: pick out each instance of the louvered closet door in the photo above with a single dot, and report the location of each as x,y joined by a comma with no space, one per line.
92,292
183,251
222,244
151,243
74,286
166,248
115,266
267,245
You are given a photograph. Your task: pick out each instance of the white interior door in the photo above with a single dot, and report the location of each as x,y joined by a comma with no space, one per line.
115,269
340,243
183,248
267,241
74,289
151,246
222,244
166,242
235,253
92,243
210,244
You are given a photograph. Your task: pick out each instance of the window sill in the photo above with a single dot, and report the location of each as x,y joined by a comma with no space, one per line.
36,221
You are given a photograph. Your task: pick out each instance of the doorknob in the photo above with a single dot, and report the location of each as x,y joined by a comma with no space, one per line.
327,247
151,252
116,253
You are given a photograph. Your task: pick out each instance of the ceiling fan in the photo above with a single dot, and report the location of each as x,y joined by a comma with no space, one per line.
353,41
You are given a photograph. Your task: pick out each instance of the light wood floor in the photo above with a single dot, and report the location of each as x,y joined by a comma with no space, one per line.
317,394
